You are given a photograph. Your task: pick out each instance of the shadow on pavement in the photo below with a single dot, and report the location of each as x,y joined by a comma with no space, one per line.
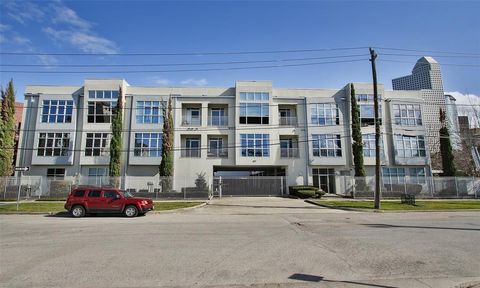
65,214
314,278
418,227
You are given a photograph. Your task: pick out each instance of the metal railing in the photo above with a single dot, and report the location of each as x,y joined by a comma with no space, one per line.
217,153
191,153
289,153
218,121
189,121
287,121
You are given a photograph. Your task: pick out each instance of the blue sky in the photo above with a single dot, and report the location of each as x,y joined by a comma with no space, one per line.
173,27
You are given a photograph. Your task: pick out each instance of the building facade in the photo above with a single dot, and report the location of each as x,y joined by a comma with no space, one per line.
251,129
427,77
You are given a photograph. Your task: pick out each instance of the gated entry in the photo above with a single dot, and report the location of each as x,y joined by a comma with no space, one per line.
249,186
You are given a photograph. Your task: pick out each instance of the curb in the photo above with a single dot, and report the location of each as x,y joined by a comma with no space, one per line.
345,208
179,209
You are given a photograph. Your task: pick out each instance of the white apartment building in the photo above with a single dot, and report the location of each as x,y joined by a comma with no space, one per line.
427,78
251,129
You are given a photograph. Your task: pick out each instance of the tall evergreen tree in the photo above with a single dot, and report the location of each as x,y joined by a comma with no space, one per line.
446,151
7,127
166,166
116,141
357,143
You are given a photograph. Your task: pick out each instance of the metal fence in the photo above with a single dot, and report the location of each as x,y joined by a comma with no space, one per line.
421,187
42,187
249,186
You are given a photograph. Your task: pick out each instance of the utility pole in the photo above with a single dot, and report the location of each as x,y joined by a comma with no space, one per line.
373,56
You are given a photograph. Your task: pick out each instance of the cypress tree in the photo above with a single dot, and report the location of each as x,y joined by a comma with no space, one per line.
116,141
166,166
7,127
446,151
357,143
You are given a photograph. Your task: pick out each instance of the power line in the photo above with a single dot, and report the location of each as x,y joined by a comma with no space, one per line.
179,64
180,70
443,64
427,51
184,53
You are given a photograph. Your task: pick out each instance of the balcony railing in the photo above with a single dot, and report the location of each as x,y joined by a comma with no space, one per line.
189,121
288,121
218,121
289,152
217,153
191,152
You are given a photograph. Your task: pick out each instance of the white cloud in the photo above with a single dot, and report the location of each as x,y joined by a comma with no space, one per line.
195,82
83,40
23,12
468,105
20,40
65,15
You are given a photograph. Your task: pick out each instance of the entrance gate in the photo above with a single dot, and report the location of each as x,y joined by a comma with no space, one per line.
249,186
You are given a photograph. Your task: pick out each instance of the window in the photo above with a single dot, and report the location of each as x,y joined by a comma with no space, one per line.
57,111
215,148
407,114
97,172
367,111
97,144
192,117
393,175
217,117
253,112
100,111
324,114
255,145
56,173
192,147
327,145
148,144
149,112
110,194
94,193
79,193
288,148
103,94
53,144
417,175
369,145
409,146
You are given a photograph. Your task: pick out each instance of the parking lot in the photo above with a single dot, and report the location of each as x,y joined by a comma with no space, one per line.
242,242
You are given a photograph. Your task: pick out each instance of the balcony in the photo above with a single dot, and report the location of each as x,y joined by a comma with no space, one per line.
217,153
191,121
218,121
287,121
289,152
191,152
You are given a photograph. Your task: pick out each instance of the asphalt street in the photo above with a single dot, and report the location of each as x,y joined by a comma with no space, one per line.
243,242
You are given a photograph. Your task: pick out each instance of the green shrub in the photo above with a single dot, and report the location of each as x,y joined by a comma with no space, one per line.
303,191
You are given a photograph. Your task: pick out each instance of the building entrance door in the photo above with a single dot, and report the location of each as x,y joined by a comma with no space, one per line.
324,178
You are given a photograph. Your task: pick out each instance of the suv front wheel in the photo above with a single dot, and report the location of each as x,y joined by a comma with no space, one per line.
131,211
77,211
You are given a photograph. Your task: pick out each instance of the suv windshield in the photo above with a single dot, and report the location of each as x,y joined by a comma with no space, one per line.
126,194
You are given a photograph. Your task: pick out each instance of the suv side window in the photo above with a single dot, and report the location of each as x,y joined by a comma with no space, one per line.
110,194
94,193
79,193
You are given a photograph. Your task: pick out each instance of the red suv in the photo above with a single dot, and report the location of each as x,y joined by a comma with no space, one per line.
106,200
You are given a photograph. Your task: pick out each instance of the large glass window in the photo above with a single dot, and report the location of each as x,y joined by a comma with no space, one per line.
192,148
369,145
324,114
57,111
254,108
192,117
327,145
56,173
100,111
97,172
53,144
97,144
417,175
255,145
409,146
392,175
149,112
407,114
367,111
148,144
215,148
217,117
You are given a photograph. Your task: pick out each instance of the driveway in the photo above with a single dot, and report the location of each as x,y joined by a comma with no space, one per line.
237,242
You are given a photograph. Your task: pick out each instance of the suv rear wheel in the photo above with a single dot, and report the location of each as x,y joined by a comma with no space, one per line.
77,211
131,211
